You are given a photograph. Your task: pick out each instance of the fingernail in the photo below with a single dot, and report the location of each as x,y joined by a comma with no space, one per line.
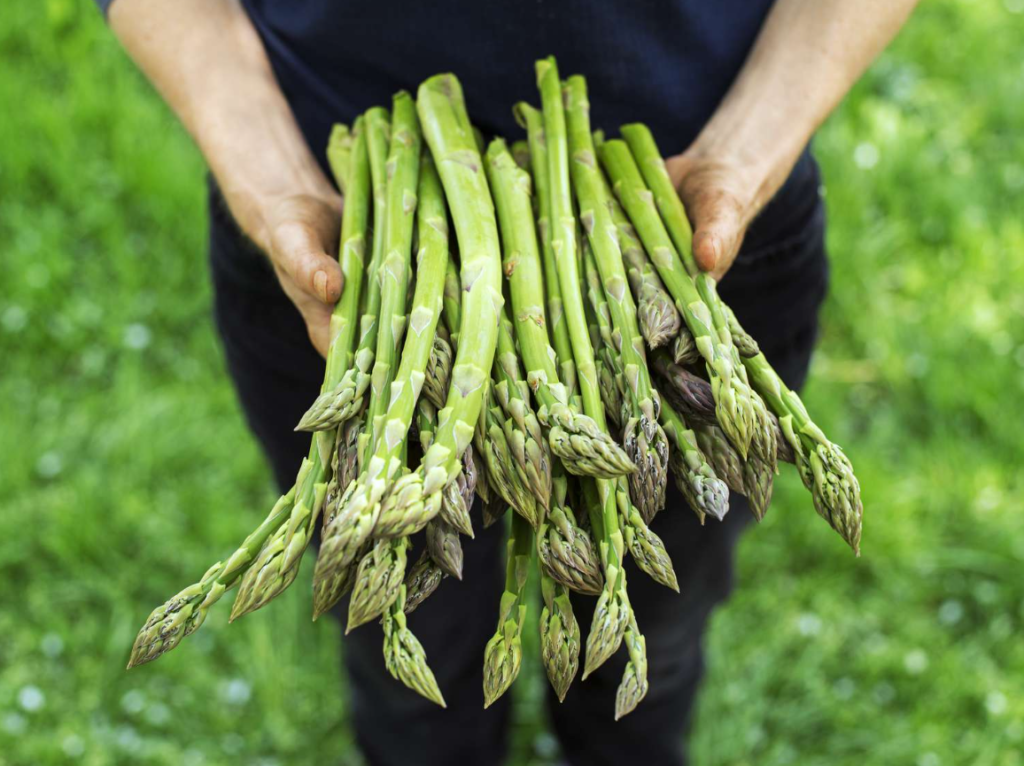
320,284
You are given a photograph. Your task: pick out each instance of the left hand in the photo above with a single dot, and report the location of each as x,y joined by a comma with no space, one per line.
721,200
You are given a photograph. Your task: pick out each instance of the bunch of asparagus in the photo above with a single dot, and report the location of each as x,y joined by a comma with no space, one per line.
568,391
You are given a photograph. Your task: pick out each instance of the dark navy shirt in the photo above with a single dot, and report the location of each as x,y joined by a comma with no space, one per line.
667,63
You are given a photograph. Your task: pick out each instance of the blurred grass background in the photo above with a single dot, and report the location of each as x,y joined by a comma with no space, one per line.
126,469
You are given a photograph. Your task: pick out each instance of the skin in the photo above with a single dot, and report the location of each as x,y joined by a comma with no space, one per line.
208,63
807,56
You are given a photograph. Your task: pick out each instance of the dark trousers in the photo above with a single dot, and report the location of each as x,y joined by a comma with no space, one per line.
775,289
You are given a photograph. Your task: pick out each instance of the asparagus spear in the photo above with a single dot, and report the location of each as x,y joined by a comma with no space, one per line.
643,438
824,468
521,154
633,687
644,149
691,397
508,480
452,293
444,547
474,461
522,428
350,373
439,369
184,613
684,348
421,581
403,169
564,549
613,608
531,119
656,312
339,153
649,493
278,562
503,654
732,394
416,498
380,575
703,489
403,653
361,505
582,445
559,636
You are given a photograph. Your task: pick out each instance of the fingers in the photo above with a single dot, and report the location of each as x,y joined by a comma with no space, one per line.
300,252
315,313
717,230
712,196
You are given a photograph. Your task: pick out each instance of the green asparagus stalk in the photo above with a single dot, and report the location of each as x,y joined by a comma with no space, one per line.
584,447
421,581
348,372
361,505
503,654
403,653
508,480
611,613
644,545
612,610
700,486
278,562
652,166
659,319
521,154
633,687
564,549
532,119
643,438
721,456
452,298
403,169
645,151
647,486
691,397
416,498
684,348
339,153
733,396
184,613
522,429
380,575
824,468
439,369
559,636
443,545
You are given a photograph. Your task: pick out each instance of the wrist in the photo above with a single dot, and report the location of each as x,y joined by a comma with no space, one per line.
758,150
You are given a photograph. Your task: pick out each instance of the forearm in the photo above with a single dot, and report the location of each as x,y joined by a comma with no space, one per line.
807,56
207,61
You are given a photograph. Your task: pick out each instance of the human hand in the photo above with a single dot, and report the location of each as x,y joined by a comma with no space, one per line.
300,233
721,198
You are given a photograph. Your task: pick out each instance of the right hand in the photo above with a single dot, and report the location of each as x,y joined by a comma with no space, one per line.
300,235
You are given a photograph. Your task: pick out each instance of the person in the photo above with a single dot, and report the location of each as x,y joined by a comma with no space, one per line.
733,90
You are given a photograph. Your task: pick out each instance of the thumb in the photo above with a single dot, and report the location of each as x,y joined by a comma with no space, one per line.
717,230
300,253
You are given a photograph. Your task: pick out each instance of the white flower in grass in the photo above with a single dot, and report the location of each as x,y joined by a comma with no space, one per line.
73,746
996,703
865,155
915,662
808,624
31,698
137,336
951,612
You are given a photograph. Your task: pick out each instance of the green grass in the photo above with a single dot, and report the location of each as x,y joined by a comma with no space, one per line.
126,466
